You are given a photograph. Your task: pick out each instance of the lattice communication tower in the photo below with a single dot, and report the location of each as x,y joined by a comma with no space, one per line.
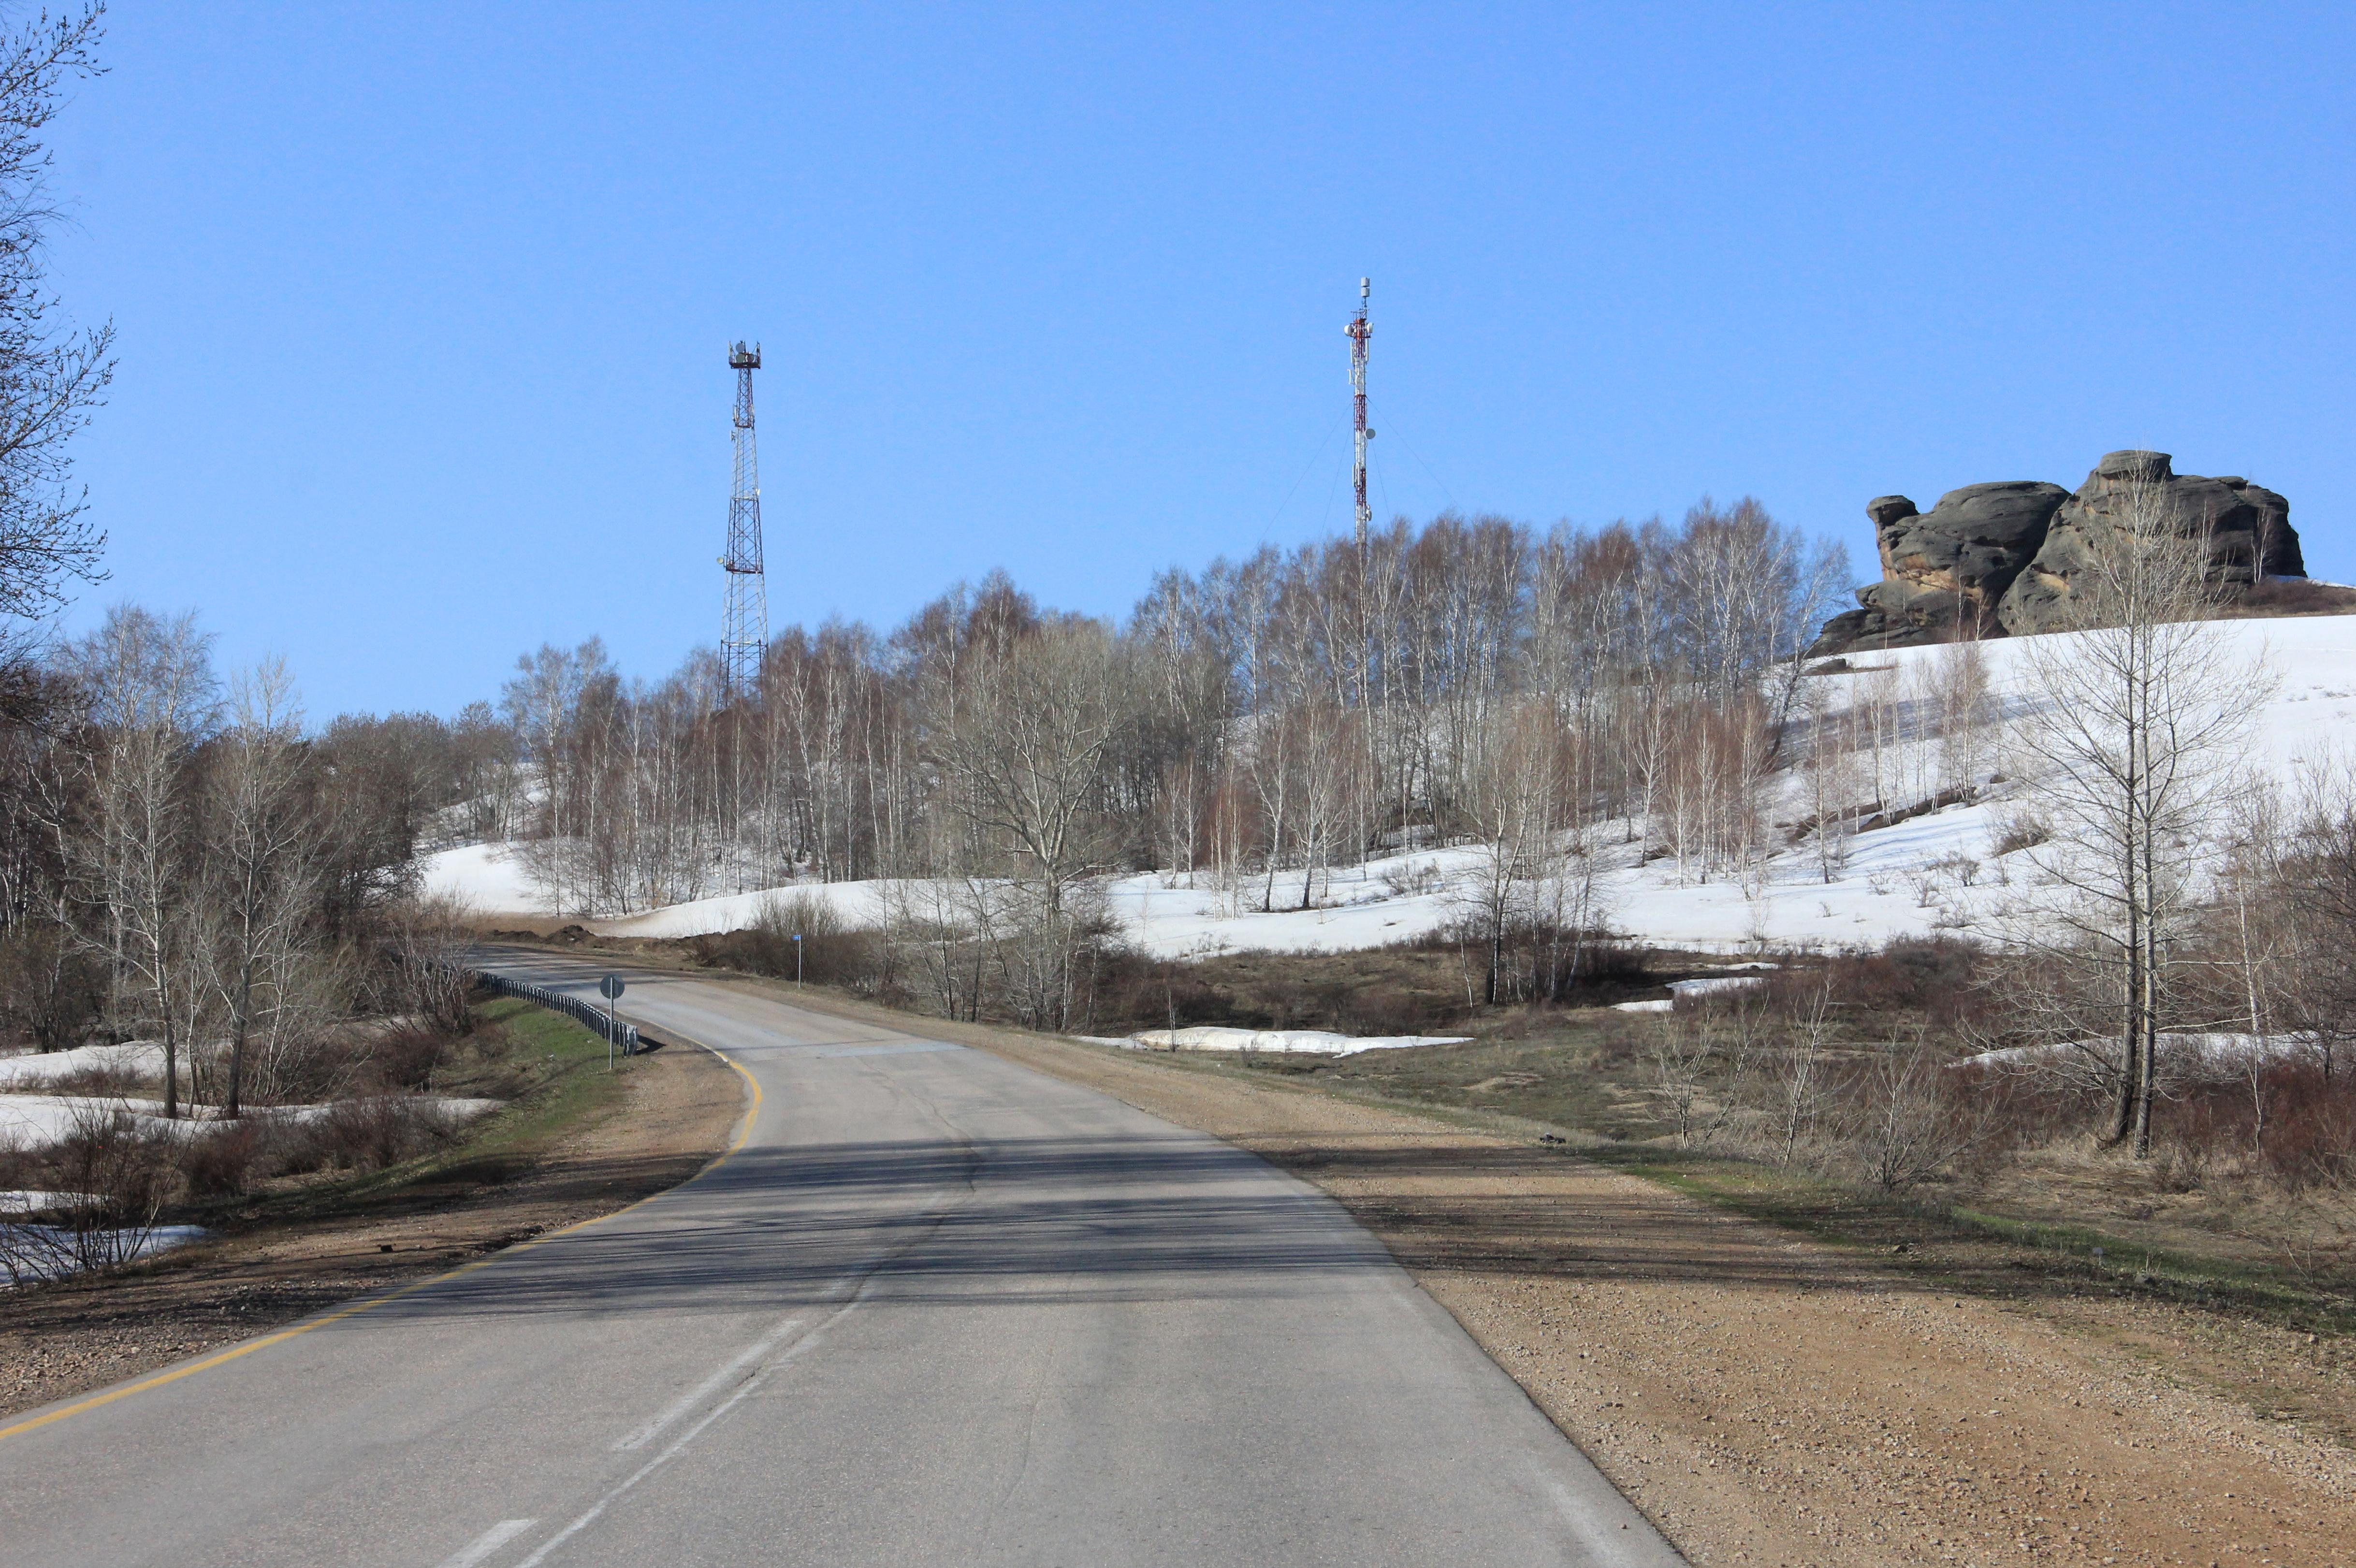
1359,331
745,625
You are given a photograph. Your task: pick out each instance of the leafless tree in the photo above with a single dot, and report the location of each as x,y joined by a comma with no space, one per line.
151,688
1801,1085
2140,720
1903,1126
1025,750
1833,775
263,853
51,376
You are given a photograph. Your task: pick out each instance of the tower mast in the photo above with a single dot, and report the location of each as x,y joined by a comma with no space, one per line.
744,624
1359,331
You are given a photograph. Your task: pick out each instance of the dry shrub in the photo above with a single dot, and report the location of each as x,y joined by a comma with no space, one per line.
1388,1010
485,1063
1127,990
2290,1125
2311,1141
223,1162
421,970
103,1082
1608,971
832,953
17,1164
2293,596
49,994
1930,978
2021,831
1905,1118
108,1155
1279,1001
406,1054
369,1133
1410,878
114,1179
366,1057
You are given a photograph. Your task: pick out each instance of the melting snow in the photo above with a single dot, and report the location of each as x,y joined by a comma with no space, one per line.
1312,1041
140,1057
1890,885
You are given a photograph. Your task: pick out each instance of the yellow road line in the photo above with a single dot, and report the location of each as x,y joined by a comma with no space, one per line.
744,1131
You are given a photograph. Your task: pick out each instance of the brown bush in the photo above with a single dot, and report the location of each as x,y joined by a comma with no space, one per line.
1387,1009
222,1162
2294,1128
1930,978
405,1056
851,959
2293,596
101,1082
50,995
369,1133
2311,1138
106,1153
1905,1119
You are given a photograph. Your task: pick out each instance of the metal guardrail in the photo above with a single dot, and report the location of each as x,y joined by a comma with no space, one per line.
586,1013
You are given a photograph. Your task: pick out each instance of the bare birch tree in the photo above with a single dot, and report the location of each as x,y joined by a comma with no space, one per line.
2141,718
151,690
50,376
263,844
1025,750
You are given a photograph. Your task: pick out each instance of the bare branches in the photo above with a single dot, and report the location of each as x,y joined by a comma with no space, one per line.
2133,751
51,377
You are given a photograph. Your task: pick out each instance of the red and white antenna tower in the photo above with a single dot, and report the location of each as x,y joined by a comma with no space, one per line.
744,625
1359,331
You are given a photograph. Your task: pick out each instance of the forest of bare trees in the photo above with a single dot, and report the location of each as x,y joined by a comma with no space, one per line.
1252,728
183,860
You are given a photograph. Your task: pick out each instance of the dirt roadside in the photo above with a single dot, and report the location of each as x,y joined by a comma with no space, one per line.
60,1340
1769,1399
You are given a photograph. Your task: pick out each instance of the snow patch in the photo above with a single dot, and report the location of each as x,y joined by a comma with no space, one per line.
1937,873
1310,1041
2194,1056
37,1121
488,878
142,1058
46,1251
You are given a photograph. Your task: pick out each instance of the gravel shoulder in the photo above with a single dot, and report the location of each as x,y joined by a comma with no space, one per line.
678,1110
1767,1398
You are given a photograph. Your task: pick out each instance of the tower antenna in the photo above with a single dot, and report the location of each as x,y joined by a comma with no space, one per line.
744,625
1359,331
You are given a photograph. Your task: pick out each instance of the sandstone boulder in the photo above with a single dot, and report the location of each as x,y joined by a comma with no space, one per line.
1944,570
1990,560
2247,527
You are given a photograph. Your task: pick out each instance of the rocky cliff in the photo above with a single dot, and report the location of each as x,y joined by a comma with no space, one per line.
1992,559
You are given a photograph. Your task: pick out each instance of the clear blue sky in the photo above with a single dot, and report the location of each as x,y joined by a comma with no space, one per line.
423,308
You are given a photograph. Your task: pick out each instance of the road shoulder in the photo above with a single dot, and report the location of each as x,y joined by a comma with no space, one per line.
678,1110
1763,1397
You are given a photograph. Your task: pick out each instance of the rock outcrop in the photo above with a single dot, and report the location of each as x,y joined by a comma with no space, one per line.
1992,559
2247,525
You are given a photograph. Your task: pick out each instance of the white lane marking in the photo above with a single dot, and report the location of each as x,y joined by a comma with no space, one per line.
864,1279
706,1389
490,1541
915,1048
808,1341
679,1446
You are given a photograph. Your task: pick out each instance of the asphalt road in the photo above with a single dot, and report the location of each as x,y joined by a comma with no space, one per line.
936,1310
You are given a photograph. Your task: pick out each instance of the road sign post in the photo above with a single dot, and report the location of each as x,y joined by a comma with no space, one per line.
798,957
613,988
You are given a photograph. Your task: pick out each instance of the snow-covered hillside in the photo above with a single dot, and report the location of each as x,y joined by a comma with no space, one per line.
1933,872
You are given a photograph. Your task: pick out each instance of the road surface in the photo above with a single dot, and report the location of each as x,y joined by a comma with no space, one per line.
935,1309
